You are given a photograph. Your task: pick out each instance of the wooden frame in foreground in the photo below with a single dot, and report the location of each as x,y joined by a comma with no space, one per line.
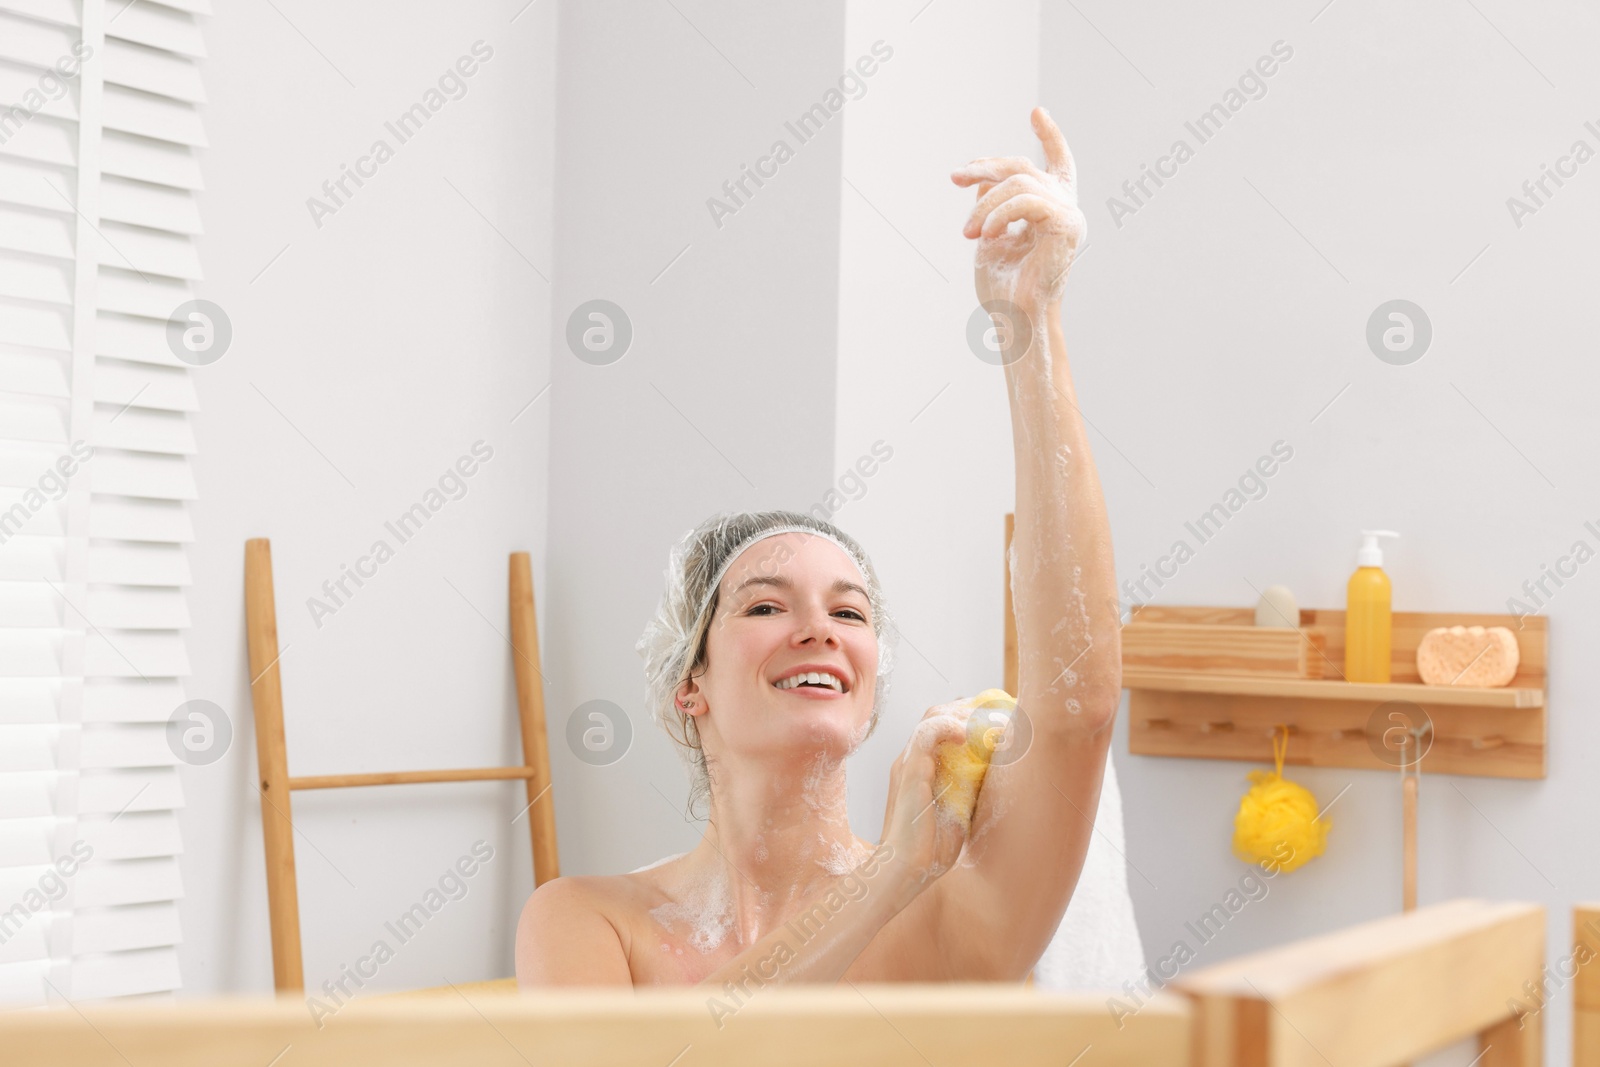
847,1025
1374,995
1381,993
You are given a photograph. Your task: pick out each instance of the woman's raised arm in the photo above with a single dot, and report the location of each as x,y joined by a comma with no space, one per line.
1037,806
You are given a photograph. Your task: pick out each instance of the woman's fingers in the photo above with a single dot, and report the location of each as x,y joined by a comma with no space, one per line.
1012,186
935,730
1058,157
993,169
1039,211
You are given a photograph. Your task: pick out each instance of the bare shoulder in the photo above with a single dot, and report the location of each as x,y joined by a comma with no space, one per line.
569,933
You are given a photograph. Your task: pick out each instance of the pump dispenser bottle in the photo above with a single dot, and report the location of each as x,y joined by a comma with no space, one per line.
1367,620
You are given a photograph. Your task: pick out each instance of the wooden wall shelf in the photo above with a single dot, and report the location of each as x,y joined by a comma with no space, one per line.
1498,732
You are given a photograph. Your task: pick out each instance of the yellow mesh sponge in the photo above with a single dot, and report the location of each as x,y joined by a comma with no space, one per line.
962,764
1277,822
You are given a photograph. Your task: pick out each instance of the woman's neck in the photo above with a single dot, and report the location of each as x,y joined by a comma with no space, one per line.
773,838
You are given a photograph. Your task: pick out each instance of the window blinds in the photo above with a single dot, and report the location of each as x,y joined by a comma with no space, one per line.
98,178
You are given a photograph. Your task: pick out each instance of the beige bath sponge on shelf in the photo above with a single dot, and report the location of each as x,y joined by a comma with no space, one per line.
1468,655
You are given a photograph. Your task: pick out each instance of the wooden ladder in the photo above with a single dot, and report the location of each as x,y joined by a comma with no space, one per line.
277,821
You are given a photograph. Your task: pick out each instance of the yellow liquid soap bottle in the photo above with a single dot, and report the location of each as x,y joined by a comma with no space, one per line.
1367,619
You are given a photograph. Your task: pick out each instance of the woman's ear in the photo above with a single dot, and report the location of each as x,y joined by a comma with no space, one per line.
689,699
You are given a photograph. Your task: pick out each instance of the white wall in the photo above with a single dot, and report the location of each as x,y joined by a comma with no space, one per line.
1205,328
724,399
388,340
960,84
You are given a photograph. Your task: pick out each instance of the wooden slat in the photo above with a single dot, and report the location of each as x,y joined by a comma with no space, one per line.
530,707
1586,985
266,695
1230,650
1380,993
1486,742
1370,693
346,781
866,1024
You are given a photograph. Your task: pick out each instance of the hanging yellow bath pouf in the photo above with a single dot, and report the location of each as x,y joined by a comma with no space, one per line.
1277,824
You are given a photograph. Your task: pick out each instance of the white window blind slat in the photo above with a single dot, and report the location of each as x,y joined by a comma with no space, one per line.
166,477
28,558
107,885
150,251
34,326
33,41
35,231
44,139
21,462
130,926
139,607
134,653
142,429
130,700
62,12
153,71
27,941
107,746
151,296
157,206
27,796
110,792
137,563
30,420
140,519
42,280
18,80
131,835
130,337
40,185
159,27
159,162
141,385
124,973
27,748
24,842
48,521
28,605
30,653
26,700
148,115
38,374
194,7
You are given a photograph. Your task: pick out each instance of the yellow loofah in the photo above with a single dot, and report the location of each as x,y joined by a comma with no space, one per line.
1277,824
962,765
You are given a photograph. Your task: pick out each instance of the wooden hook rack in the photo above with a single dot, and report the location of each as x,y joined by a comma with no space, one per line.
1200,711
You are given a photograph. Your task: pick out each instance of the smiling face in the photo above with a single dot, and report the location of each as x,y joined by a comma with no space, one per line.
791,609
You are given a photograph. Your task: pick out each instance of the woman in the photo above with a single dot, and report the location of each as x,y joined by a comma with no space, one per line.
767,656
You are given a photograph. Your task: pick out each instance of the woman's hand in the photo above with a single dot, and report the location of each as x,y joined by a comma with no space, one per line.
1027,267
925,840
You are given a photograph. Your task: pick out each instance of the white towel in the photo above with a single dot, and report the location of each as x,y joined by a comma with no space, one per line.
1097,945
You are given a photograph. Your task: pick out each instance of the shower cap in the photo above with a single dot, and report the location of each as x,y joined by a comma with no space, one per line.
674,642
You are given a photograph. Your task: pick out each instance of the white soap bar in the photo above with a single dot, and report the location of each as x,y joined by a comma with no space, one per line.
1468,655
1277,608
